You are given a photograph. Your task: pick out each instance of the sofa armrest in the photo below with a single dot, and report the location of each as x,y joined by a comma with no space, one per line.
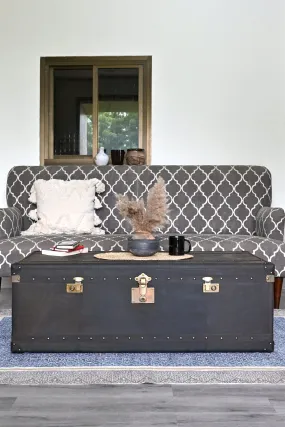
270,223
10,222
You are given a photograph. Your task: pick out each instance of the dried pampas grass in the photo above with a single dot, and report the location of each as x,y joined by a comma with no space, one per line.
145,220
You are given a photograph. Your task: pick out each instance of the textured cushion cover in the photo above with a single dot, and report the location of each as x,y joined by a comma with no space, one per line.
63,207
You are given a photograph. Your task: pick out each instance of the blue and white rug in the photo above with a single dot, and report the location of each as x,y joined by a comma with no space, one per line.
137,368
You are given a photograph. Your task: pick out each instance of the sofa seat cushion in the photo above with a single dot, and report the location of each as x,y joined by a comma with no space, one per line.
264,248
16,248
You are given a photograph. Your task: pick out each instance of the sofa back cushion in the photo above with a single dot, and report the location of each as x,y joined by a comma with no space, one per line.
203,199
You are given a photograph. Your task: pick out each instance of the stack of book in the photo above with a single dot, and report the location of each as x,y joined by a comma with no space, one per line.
66,248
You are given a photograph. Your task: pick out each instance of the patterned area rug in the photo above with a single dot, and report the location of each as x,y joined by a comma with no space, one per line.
138,368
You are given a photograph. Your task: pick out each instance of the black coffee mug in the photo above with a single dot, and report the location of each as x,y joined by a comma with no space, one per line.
177,245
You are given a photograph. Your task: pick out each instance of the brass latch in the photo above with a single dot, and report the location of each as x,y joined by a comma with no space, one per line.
76,287
209,287
270,278
16,278
142,294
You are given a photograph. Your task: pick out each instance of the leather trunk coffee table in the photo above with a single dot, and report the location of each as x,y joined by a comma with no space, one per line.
214,302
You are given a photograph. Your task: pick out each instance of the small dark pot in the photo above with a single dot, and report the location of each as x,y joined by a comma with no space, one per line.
117,157
143,247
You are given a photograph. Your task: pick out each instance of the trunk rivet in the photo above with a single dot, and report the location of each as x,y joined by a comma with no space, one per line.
167,338
206,338
33,338
103,338
78,338
181,278
168,278
104,278
193,338
63,278
33,278
117,338
251,338
194,278
47,338
129,338
155,278
48,278
236,338
63,338
91,278
236,278
154,338
180,338
142,338
251,278
91,338
221,278
221,338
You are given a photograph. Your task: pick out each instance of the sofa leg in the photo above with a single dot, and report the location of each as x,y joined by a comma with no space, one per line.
277,291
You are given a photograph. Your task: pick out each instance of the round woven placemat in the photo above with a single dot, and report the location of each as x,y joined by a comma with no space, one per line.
127,256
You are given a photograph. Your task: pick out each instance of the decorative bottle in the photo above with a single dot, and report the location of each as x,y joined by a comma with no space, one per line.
102,158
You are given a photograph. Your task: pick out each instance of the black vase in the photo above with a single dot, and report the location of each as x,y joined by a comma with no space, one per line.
143,247
117,157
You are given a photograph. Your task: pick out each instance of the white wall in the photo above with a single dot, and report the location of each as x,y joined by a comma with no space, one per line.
218,74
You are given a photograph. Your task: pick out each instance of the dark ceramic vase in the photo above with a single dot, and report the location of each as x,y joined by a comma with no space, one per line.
117,157
143,247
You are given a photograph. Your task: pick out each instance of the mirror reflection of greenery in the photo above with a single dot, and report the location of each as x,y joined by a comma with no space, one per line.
117,131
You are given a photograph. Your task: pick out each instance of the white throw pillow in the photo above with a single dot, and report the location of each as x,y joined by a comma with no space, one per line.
65,207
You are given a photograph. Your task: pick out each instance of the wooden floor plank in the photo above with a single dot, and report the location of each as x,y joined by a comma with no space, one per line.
144,405
6,403
270,391
233,424
134,392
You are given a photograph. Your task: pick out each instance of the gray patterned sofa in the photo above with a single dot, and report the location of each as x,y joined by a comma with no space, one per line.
220,208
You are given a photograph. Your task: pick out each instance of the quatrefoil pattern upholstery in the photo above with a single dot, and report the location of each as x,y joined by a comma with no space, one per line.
219,207
270,223
10,222
203,199
12,250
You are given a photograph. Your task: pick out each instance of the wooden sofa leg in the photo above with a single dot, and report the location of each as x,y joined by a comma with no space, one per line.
277,291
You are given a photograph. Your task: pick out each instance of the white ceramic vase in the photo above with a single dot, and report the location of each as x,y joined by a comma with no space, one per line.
102,158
